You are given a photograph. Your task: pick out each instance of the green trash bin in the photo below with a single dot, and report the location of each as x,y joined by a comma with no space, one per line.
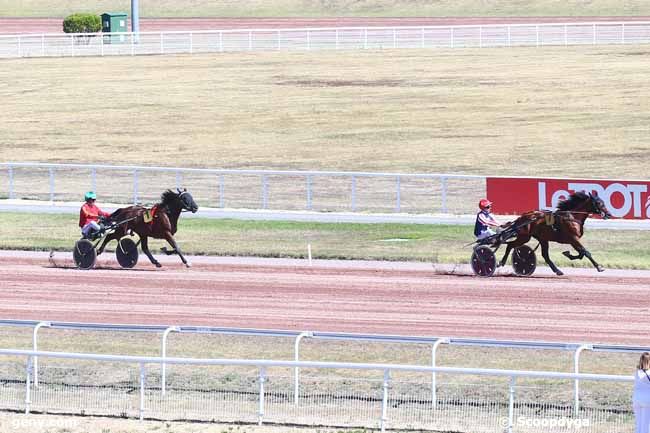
114,22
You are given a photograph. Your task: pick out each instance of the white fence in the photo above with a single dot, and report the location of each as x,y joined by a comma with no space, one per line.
369,397
338,38
324,191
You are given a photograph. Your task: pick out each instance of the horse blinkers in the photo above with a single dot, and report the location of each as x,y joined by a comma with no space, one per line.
187,200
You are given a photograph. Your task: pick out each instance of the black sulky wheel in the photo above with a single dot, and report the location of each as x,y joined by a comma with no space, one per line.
484,262
84,254
524,261
127,253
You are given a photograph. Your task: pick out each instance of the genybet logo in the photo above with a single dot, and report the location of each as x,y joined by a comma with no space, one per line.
620,199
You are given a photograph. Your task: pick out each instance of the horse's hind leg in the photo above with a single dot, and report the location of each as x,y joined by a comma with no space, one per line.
547,258
144,242
510,246
106,240
170,239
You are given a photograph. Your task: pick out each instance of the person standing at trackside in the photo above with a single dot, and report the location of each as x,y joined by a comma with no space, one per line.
641,395
485,221
89,216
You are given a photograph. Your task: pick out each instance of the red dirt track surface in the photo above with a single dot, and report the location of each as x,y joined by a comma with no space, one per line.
54,25
372,297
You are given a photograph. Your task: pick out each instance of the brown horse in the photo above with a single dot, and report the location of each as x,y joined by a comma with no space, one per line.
159,222
565,226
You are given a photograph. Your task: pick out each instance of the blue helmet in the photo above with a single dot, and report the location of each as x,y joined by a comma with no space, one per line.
90,195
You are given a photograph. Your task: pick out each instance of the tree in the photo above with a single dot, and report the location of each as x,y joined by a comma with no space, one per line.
82,23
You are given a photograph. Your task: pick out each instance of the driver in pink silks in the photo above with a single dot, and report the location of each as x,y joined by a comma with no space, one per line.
485,222
89,215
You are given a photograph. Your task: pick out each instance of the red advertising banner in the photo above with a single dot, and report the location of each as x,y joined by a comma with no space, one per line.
514,196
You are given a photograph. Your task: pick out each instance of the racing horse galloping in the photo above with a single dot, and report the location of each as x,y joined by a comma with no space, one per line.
564,226
159,222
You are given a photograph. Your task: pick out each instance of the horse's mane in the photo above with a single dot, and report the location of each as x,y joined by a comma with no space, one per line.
168,197
573,201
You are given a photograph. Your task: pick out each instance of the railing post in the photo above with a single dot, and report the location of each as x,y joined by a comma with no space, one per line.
398,194
179,179
133,43
162,44
384,400
566,35
260,413
309,192
365,38
336,37
623,33
51,170
220,42
93,179
35,348
422,37
296,370
452,38
480,36
135,186
576,382
142,384
265,191
594,32
308,40
443,185
101,46
43,45
20,46
537,35
511,404
394,38
279,41
12,194
72,45
28,391
434,349
353,193
509,36
222,189
191,43
163,354
250,41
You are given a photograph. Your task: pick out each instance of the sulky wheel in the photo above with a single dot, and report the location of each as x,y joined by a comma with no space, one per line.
483,262
524,261
84,254
127,253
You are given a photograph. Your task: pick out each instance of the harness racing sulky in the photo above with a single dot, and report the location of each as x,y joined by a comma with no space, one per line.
564,225
159,222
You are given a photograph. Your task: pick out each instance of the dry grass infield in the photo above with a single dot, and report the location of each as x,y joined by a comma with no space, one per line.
574,111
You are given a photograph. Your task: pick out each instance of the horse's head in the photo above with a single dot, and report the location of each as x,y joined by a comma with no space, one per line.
187,201
598,206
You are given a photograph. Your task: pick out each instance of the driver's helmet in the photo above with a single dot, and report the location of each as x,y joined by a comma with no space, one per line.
90,195
484,204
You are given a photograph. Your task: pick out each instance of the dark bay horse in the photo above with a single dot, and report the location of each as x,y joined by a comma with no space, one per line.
567,227
159,222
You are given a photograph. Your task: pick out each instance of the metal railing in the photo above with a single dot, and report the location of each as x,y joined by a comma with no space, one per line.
385,370
335,38
298,336
250,189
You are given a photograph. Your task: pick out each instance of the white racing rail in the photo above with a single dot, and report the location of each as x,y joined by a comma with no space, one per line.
263,365
335,38
298,336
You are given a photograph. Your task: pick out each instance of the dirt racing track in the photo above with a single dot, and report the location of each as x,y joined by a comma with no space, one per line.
368,297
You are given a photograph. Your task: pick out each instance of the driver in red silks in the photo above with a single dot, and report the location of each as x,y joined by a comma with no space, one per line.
89,216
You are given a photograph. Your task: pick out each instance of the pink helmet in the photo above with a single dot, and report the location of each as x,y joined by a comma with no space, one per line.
484,204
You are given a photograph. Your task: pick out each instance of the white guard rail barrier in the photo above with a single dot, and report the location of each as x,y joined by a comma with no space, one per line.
325,191
298,336
336,38
269,402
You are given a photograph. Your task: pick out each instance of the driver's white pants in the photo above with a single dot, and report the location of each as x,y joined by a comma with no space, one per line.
485,233
90,227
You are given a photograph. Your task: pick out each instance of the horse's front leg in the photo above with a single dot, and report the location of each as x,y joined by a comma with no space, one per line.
170,239
547,258
582,252
511,245
144,242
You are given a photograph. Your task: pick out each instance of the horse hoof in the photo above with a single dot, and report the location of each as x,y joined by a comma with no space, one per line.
158,265
559,273
188,265
600,269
